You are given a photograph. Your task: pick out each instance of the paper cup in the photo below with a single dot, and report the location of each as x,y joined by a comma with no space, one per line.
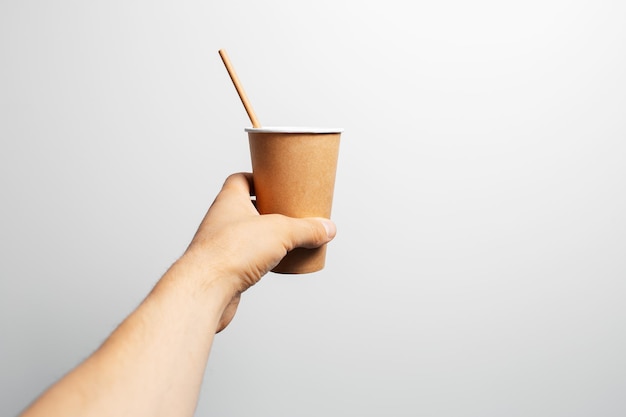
293,171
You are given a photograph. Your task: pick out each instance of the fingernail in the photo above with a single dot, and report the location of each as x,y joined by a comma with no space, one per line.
331,229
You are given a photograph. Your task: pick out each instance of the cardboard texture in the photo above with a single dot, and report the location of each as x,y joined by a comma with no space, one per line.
294,175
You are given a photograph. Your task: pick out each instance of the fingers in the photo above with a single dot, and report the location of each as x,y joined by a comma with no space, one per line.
235,196
240,183
309,232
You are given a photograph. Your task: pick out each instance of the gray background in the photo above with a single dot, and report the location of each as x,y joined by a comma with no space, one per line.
480,264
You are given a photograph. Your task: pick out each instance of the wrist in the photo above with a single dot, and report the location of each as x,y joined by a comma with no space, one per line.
199,283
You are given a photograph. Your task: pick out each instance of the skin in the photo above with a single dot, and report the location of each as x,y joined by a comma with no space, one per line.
153,363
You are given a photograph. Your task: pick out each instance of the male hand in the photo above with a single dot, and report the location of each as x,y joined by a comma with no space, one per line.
238,245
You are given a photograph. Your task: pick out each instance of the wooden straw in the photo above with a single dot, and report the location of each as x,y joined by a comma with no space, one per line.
239,88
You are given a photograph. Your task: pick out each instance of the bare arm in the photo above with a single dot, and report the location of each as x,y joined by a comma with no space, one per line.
153,363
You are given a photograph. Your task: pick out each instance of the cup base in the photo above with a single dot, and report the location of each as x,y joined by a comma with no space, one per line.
302,261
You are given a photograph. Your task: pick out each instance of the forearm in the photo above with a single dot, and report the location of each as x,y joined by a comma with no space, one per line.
153,363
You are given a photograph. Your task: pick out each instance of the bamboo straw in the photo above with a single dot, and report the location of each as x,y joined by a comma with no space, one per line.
239,88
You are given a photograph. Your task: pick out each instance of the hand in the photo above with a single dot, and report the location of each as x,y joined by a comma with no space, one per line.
239,246
163,345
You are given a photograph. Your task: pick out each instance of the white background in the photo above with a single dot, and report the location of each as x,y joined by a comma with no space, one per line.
480,264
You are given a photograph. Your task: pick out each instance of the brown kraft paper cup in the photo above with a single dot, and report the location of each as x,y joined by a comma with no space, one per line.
293,171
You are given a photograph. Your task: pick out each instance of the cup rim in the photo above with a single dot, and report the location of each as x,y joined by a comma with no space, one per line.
294,129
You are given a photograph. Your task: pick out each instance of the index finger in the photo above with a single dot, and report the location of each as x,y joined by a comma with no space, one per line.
235,196
240,183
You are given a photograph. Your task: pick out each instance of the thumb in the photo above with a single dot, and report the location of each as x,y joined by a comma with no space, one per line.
311,232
